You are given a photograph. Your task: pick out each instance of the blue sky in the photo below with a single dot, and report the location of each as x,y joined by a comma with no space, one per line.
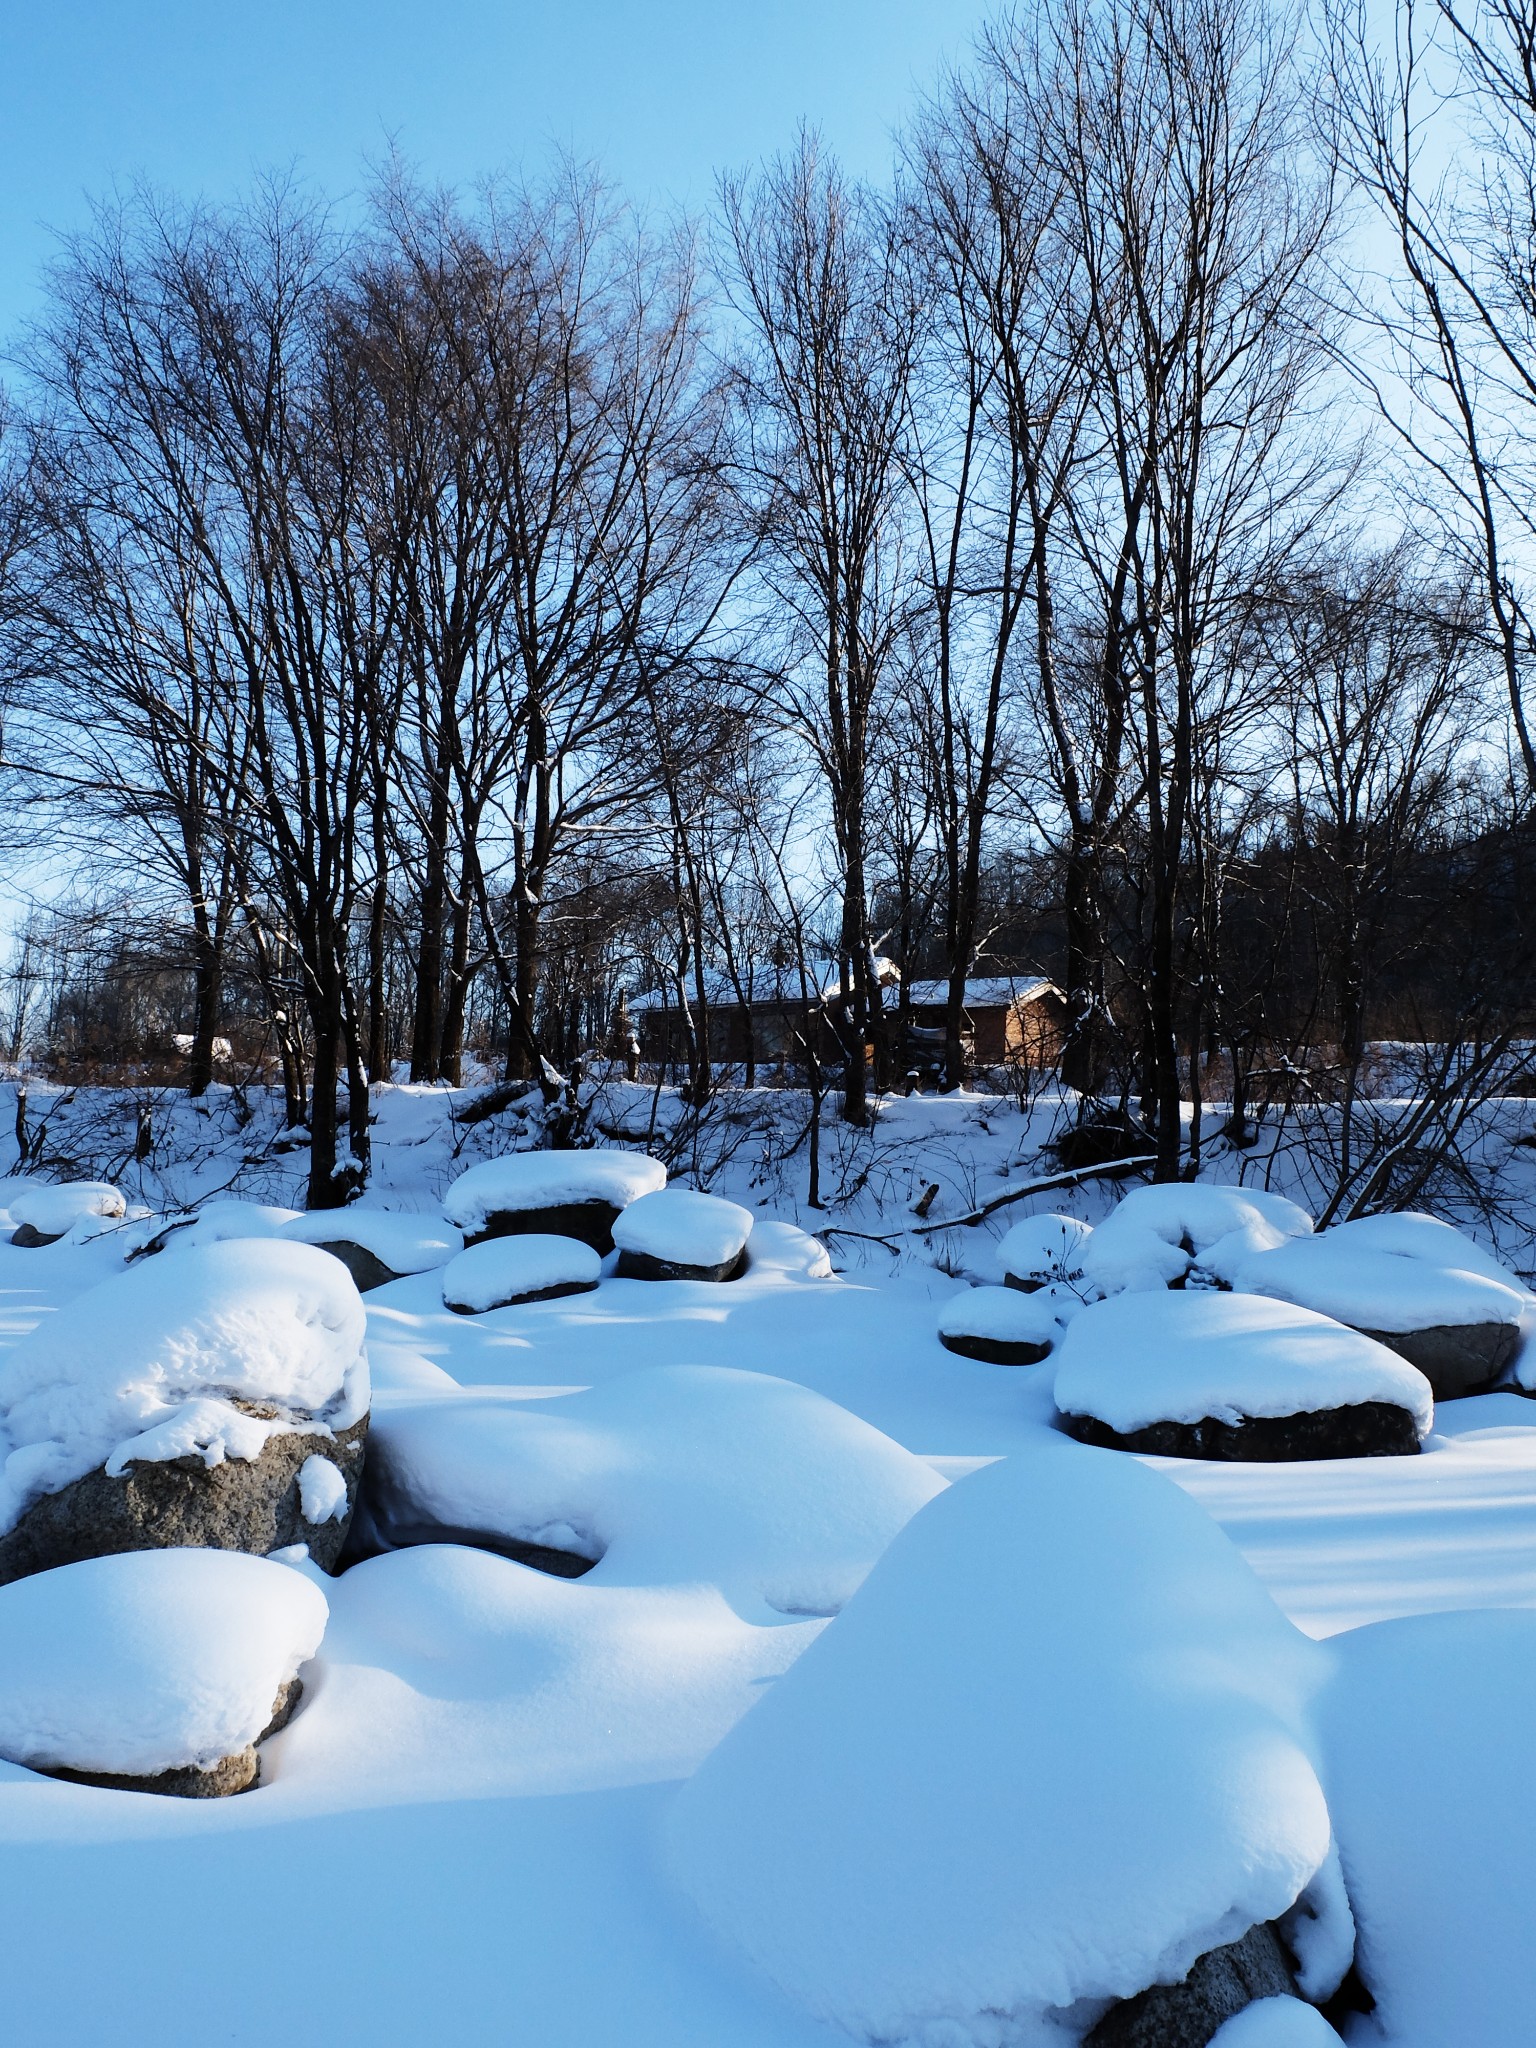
197,95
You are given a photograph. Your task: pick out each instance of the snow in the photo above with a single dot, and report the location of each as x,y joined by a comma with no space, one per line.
1002,1314
322,1490
669,1476
212,1224
1180,1357
505,1269
982,992
1045,1249
147,1363
540,1180
138,1663
54,1208
1339,1276
406,1244
1052,1751
1157,1234
1432,1781
1276,2023
684,1228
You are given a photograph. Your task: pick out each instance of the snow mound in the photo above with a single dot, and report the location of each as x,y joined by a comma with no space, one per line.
780,1247
671,1475
53,1209
142,1662
406,1244
1043,1250
1431,1778
1001,1314
1181,1357
1276,2023
1413,1235
543,1180
1365,1282
150,1363
214,1223
1157,1234
505,1269
1051,1752
683,1228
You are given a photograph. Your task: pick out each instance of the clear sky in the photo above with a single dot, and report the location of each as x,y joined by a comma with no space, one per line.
197,94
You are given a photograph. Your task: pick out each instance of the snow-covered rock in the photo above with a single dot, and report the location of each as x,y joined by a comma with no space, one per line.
1156,1236
377,1245
502,1270
1431,1778
1051,1753
1392,1277
671,1475
560,1194
679,1234
213,1223
153,1662
999,1325
42,1211
232,1362
1234,1376
1043,1251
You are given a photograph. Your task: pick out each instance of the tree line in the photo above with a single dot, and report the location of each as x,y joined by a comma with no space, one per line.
420,629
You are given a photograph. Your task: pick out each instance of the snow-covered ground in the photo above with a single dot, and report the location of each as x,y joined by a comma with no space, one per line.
475,1828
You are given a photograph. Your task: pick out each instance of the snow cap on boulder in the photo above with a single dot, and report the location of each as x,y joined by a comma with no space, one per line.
677,1232
1155,1235
52,1208
493,1194
1043,1251
503,1270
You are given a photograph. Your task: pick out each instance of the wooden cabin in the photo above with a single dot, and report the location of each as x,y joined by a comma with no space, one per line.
1010,1020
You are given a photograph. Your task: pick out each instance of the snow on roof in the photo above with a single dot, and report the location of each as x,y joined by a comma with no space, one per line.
983,992
758,985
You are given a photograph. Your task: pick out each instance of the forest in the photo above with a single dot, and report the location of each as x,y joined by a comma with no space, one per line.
1103,550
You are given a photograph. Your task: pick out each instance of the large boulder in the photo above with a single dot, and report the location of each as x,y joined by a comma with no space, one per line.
557,1194
214,1398
377,1245
45,1211
999,1325
1410,1282
1230,1376
154,1671
502,1272
679,1234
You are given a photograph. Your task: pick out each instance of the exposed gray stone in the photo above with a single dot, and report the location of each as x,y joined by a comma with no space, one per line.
592,1222
1456,1358
235,1773
242,1504
994,1351
28,1238
641,1266
1191,2014
557,1293
1363,1429
367,1269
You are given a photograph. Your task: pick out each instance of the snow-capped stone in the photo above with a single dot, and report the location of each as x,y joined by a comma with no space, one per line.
1155,1236
1460,1327
1043,1251
213,1223
322,1490
670,1475
42,1211
377,1245
999,1325
500,1271
1054,1751
1431,1780
152,1662
559,1194
232,1362
1233,1376
679,1234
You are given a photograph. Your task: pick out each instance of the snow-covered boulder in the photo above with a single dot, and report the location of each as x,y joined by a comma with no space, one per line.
1162,1236
176,1403
500,1271
671,1475
1230,1376
376,1245
154,1671
557,1194
45,1211
211,1224
999,1325
1431,1779
678,1234
1412,1283
1051,1753
1043,1251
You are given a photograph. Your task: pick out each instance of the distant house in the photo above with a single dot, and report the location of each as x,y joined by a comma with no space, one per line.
1010,1020
758,1023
